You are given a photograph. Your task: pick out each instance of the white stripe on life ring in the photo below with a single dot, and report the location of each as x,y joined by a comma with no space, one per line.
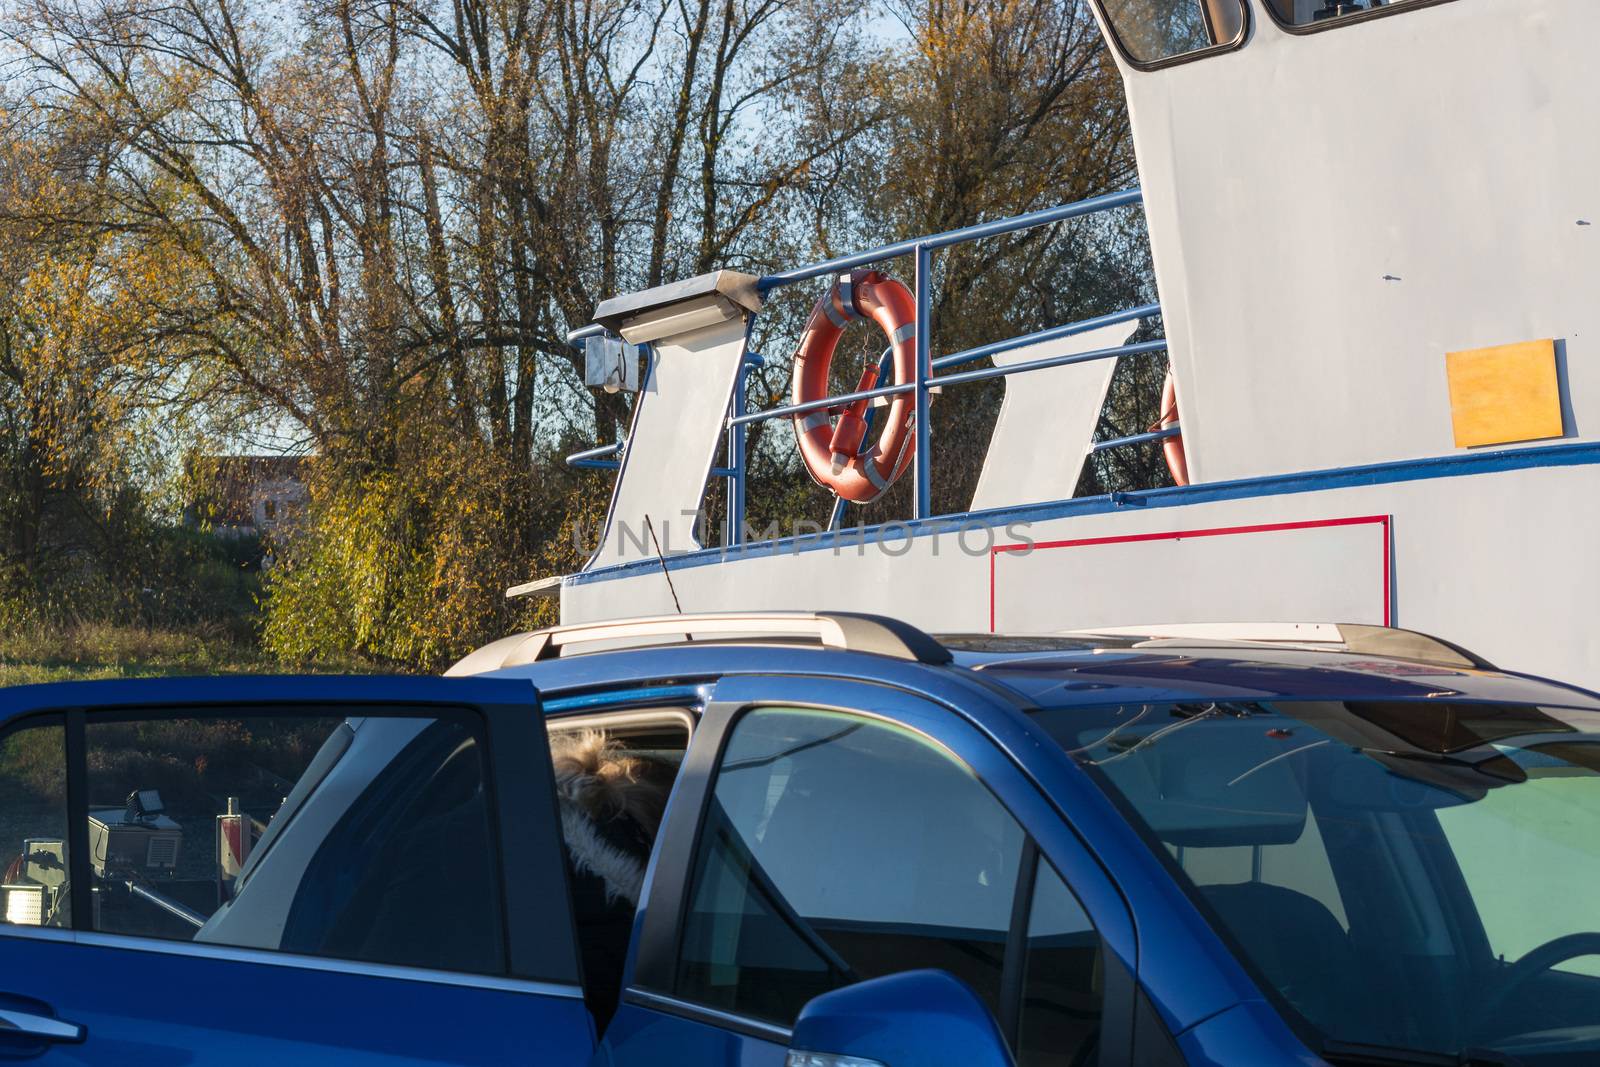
847,300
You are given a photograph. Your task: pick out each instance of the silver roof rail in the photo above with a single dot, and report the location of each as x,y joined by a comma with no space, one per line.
844,630
1359,638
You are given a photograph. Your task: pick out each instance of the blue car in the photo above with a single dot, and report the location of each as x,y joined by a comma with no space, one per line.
835,842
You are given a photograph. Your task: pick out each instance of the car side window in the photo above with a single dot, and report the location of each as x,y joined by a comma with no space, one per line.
838,848
365,839
1063,980
33,825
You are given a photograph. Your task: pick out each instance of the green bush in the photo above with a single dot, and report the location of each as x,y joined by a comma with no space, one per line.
407,570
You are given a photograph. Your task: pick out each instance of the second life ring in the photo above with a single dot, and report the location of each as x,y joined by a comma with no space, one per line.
1172,447
833,452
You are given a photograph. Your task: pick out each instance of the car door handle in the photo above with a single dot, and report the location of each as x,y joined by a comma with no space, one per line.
47,1027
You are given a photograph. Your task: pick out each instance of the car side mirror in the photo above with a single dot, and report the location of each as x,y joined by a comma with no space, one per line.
914,1019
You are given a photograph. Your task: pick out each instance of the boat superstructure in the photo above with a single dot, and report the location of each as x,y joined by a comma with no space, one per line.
1376,239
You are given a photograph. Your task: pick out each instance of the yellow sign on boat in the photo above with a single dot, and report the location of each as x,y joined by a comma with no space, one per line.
1504,394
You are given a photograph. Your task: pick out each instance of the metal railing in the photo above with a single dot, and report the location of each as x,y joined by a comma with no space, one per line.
924,380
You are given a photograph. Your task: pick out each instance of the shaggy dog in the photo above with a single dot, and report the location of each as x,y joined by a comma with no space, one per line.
611,806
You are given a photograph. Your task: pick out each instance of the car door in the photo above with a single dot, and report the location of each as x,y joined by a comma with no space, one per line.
284,870
826,832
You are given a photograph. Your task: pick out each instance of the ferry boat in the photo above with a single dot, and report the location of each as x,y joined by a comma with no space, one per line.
1375,230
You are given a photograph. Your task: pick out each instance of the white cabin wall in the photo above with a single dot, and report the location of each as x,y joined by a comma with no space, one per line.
1452,147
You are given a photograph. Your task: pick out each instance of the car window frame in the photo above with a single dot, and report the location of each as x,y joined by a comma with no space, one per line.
541,956
664,909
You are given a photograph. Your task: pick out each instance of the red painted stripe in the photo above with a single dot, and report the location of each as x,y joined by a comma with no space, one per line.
1388,571
1218,531
991,590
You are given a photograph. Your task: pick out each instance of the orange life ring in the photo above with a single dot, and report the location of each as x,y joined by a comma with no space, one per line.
832,452
1172,447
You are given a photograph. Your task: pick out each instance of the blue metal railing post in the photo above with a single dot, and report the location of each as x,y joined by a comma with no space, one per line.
922,502
733,533
598,459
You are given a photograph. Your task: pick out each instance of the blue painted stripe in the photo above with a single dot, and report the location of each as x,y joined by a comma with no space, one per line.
1577,454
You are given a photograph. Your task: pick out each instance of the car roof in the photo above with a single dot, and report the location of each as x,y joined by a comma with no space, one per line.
1092,671
1173,662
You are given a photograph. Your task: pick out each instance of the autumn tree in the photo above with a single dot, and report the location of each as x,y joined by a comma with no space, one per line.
390,214
370,224
83,387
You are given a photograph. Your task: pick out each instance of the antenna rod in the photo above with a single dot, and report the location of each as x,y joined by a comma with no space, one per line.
662,559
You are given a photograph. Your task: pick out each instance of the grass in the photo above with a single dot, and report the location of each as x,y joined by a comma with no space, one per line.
99,650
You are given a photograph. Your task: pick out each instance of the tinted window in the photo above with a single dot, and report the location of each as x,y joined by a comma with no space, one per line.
408,874
1063,980
365,839
838,849
33,826
1545,824
1301,865
1409,874
1153,30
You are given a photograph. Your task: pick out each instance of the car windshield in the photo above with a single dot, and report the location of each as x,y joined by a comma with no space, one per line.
1410,876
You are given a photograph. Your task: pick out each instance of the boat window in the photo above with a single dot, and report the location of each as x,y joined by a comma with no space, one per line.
1150,31
1317,13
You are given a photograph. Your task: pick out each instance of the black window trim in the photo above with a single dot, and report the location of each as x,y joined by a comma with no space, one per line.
1246,27
1014,963
1120,989
1395,7
80,884
744,1025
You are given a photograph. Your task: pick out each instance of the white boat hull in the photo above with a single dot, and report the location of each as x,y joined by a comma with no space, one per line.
1495,552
